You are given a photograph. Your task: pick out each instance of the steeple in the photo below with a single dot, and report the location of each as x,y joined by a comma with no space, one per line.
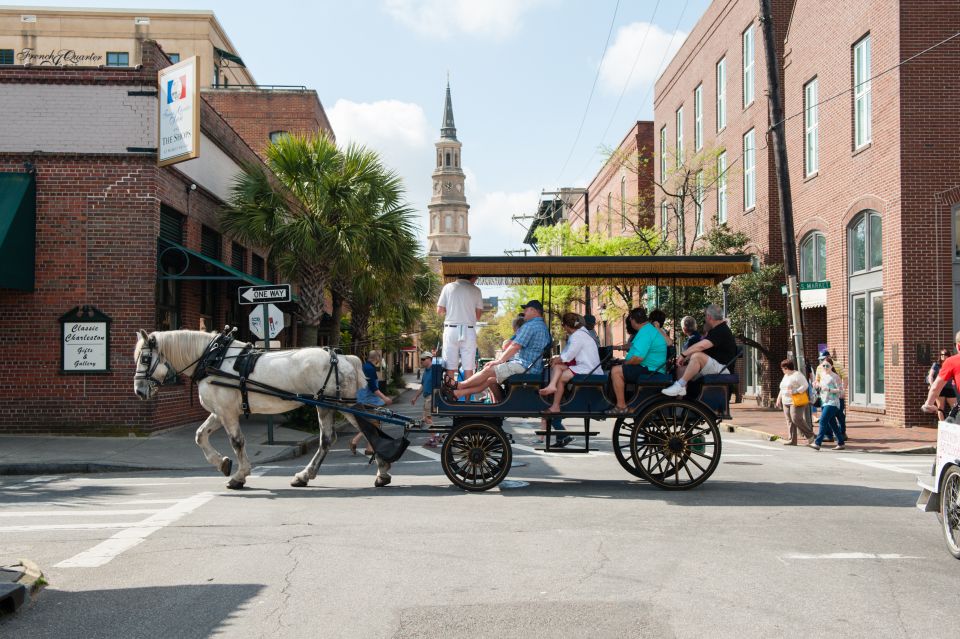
449,130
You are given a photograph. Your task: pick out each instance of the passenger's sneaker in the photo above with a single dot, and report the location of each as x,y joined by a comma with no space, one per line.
675,390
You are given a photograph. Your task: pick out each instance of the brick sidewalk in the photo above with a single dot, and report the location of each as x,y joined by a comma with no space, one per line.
864,432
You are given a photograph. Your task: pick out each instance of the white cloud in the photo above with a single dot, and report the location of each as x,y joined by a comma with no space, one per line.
492,228
619,59
446,18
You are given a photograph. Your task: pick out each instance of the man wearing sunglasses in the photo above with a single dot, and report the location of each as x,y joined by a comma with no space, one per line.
948,393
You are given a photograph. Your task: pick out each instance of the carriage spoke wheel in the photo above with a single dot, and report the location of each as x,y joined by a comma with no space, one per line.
950,509
676,445
622,434
476,456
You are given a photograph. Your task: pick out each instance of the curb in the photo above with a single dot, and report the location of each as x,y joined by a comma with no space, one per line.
927,449
22,591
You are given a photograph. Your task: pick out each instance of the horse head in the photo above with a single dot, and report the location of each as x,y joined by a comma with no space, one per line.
152,369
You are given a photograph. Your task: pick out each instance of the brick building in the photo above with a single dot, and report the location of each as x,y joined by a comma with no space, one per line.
112,232
873,170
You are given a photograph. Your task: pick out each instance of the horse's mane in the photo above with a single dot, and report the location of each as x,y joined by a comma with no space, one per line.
181,348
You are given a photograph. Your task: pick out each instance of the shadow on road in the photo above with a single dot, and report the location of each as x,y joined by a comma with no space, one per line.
163,611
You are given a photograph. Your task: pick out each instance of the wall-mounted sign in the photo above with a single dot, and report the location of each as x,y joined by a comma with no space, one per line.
179,113
61,57
84,341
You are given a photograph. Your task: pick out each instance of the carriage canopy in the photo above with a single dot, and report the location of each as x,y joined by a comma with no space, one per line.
598,270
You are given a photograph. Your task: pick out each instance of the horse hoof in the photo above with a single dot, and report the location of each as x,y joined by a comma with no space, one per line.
226,466
298,483
233,484
380,482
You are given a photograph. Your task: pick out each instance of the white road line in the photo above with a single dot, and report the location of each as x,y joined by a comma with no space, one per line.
78,513
725,455
123,540
36,480
873,464
542,453
76,505
849,555
750,444
40,527
423,452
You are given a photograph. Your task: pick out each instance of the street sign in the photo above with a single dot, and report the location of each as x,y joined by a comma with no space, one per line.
274,318
260,294
808,286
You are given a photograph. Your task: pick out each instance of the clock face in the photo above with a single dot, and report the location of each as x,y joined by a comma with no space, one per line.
448,186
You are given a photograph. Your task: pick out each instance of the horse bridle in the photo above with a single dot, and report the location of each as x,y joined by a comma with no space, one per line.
152,362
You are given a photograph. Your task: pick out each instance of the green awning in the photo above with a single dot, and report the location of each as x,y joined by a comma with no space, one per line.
18,230
226,55
223,271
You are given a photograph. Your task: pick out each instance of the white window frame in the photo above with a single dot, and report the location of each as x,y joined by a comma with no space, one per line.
722,188
748,66
862,94
698,118
663,153
698,200
722,94
623,203
814,238
679,140
811,128
749,170
664,218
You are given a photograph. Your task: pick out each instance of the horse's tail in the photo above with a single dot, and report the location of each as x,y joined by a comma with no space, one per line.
358,371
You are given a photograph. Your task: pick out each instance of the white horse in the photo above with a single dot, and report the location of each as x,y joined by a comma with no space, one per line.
162,353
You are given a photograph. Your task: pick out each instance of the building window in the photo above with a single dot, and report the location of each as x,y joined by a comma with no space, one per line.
238,257
276,136
721,94
867,368
698,201
257,266
168,305
174,57
118,59
813,258
722,188
6,56
862,102
681,221
210,242
749,172
679,149
447,157
623,203
664,219
811,126
663,153
456,159
448,223
171,225
698,118
748,66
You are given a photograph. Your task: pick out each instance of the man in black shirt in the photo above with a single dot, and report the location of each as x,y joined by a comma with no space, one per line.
709,356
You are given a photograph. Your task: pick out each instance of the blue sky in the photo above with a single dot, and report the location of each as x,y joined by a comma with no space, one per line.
520,71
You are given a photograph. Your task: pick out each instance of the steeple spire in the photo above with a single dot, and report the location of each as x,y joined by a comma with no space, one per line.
449,129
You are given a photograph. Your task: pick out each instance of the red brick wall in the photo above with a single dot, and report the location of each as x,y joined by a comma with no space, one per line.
254,114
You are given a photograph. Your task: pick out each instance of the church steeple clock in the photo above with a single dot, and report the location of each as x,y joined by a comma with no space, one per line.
449,233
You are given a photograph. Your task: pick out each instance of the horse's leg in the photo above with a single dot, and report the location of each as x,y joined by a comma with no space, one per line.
328,435
212,455
232,425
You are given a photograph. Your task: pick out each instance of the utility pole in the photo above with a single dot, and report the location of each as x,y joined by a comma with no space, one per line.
586,221
783,180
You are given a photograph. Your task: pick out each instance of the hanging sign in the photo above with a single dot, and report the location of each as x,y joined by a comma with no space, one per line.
179,115
84,341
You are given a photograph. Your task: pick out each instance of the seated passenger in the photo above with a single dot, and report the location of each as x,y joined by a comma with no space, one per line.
524,354
579,357
647,356
658,318
709,356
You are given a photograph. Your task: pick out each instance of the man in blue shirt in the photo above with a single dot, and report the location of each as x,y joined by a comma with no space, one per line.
524,354
647,356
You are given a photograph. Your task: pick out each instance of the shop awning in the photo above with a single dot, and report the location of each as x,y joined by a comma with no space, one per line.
177,262
18,230
226,55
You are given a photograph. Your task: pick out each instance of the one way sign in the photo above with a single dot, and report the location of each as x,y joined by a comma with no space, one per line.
262,294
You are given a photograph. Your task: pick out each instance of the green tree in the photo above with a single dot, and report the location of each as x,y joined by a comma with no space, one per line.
330,217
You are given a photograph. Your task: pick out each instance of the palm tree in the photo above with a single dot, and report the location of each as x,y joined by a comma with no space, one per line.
326,215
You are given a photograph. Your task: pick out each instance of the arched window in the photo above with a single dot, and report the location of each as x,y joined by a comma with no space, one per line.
865,286
448,223
813,257
439,158
623,203
448,159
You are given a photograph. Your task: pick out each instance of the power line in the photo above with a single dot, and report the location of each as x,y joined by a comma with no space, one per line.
593,88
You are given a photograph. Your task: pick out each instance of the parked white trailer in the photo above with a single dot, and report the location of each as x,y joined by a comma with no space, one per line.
940,491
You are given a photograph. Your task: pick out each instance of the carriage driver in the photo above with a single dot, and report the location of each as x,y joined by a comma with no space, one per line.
524,354
460,304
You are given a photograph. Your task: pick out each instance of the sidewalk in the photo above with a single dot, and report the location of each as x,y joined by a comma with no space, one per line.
864,432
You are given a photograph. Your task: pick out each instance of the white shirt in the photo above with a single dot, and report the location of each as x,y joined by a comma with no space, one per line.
581,347
791,384
462,301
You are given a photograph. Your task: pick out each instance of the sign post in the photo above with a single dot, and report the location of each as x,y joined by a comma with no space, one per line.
266,322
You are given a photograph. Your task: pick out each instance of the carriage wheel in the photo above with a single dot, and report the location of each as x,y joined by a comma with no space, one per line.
676,445
950,509
476,456
622,434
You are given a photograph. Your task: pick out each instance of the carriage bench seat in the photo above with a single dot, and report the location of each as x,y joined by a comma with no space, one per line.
657,379
588,380
525,378
726,379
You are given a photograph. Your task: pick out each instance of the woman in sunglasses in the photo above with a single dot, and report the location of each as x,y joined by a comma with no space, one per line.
948,394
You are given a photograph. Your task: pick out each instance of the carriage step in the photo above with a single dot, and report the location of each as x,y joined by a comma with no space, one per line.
567,433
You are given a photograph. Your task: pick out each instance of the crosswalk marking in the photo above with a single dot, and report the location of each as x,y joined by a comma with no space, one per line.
77,526
888,465
77,513
423,452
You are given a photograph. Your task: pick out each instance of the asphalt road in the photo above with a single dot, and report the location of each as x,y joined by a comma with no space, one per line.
779,542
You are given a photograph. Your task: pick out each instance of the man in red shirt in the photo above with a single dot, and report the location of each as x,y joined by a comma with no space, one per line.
949,370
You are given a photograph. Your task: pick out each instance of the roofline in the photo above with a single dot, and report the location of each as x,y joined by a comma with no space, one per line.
633,131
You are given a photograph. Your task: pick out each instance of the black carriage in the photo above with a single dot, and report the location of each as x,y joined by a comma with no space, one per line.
671,442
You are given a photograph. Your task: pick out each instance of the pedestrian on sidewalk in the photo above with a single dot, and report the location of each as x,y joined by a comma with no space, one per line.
828,385
426,388
794,383
840,423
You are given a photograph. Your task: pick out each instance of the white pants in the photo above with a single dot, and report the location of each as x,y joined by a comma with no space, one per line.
460,347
